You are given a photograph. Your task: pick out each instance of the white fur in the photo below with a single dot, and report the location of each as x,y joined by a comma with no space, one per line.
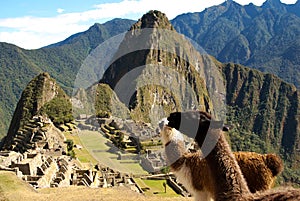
183,176
178,136
175,135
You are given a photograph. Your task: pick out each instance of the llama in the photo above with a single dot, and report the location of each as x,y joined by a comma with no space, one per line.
256,167
228,181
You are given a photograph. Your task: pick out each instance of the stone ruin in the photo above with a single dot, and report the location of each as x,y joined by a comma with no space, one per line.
35,168
37,134
42,170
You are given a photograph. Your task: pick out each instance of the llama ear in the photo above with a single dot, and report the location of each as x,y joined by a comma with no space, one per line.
226,127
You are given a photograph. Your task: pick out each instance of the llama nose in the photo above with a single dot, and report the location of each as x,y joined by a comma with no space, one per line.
162,123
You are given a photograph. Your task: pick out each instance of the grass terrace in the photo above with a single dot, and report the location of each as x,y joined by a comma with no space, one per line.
153,187
102,150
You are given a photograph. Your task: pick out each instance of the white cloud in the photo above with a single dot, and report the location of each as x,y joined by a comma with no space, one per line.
30,40
60,10
34,32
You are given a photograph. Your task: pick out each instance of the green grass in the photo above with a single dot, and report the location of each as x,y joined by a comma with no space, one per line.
156,188
99,148
83,154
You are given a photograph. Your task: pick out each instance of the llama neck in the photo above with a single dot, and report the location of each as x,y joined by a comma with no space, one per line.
229,181
174,151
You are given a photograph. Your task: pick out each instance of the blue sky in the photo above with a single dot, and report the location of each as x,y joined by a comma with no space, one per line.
33,24
45,8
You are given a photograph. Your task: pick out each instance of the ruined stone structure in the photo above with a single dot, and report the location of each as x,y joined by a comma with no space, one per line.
39,133
85,178
63,174
35,168
45,170
153,161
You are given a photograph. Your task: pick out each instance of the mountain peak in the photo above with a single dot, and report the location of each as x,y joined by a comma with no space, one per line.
228,3
153,19
272,4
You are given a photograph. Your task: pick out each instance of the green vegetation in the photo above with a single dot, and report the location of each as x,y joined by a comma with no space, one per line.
240,136
59,110
165,170
82,154
263,110
42,96
70,146
61,60
107,103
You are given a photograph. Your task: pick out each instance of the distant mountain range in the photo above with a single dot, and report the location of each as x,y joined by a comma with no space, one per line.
264,37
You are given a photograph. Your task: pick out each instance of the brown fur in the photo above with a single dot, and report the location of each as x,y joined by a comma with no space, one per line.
259,170
226,175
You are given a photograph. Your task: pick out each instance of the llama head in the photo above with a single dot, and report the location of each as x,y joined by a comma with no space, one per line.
194,124
168,133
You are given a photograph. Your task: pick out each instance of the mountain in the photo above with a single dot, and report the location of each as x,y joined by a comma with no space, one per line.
42,96
263,37
149,52
100,100
250,35
62,60
96,34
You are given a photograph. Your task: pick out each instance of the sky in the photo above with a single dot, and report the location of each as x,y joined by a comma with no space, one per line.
32,24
